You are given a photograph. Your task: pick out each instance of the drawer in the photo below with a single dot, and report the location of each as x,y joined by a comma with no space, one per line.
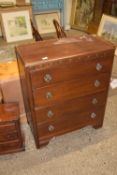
69,71
7,128
9,112
75,121
10,146
5,137
70,89
59,111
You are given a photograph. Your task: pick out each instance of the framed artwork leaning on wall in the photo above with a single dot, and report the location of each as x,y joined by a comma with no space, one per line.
82,13
44,22
16,25
0,30
108,29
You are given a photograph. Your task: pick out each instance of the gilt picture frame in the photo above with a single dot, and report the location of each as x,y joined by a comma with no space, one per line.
82,14
16,25
0,30
108,28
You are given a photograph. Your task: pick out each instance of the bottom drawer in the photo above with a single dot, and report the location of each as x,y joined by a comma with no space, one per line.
70,123
13,146
5,137
8,127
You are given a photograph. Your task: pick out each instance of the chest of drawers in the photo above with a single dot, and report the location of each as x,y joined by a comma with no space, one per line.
10,133
65,84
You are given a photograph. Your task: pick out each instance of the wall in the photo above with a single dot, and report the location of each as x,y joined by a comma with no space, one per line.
67,13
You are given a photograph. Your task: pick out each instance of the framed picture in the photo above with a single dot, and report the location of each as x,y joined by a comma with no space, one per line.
94,23
108,28
8,1
22,2
44,22
0,31
98,10
82,13
16,26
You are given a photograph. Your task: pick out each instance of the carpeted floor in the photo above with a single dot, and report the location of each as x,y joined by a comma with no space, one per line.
82,152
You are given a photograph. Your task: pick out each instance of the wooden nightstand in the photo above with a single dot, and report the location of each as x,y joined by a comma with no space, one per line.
10,132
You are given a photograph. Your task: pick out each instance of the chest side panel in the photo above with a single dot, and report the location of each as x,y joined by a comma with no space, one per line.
27,96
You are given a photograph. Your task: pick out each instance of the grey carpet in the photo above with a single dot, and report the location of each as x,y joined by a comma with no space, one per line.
86,151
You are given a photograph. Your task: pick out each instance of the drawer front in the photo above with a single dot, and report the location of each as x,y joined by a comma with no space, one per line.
5,137
10,146
63,109
70,89
7,128
69,71
75,121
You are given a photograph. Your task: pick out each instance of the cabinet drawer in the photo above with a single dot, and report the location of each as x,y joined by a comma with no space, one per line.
70,89
69,71
10,146
65,108
4,137
75,121
7,128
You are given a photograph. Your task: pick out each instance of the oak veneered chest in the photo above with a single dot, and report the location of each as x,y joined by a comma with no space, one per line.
65,84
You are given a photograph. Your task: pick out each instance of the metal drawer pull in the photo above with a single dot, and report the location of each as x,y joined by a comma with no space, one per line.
94,101
50,114
97,83
47,78
51,128
93,115
98,66
49,95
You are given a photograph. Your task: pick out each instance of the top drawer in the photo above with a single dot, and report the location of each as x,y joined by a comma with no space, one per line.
70,70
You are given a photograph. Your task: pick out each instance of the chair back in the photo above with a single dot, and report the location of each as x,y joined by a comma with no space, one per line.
36,34
59,30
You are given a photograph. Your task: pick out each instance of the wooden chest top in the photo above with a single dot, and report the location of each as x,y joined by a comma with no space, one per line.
52,50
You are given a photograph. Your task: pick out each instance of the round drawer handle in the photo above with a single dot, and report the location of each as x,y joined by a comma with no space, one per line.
50,114
97,83
94,101
49,95
93,115
47,78
98,66
51,128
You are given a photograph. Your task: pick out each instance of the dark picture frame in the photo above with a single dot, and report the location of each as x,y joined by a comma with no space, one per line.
82,14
